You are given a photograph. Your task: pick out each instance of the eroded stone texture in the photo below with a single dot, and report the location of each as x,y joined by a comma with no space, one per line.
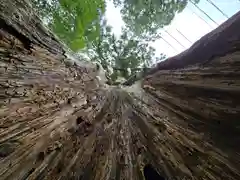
57,121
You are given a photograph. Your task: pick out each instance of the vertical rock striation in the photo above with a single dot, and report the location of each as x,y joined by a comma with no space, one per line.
58,121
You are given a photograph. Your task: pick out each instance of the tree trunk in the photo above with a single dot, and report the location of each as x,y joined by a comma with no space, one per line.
58,121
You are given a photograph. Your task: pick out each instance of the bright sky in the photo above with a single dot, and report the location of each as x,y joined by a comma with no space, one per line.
185,24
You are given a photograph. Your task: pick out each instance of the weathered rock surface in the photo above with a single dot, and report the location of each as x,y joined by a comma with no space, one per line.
57,121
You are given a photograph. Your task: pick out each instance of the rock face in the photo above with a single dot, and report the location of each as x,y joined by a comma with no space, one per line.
220,42
58,121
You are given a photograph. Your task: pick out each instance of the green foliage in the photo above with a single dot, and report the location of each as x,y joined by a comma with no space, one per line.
81,23
145,17
121,53
76,22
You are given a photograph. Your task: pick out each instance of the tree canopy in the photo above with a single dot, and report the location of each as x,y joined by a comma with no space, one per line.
82,25
145,17
59,122
123,54
76,22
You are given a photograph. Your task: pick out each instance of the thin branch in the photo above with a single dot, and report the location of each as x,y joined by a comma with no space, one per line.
204,12
201,17
175,39
183,35
169,44
218,8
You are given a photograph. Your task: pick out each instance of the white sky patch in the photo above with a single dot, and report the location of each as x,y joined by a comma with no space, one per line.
185,24
114,18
